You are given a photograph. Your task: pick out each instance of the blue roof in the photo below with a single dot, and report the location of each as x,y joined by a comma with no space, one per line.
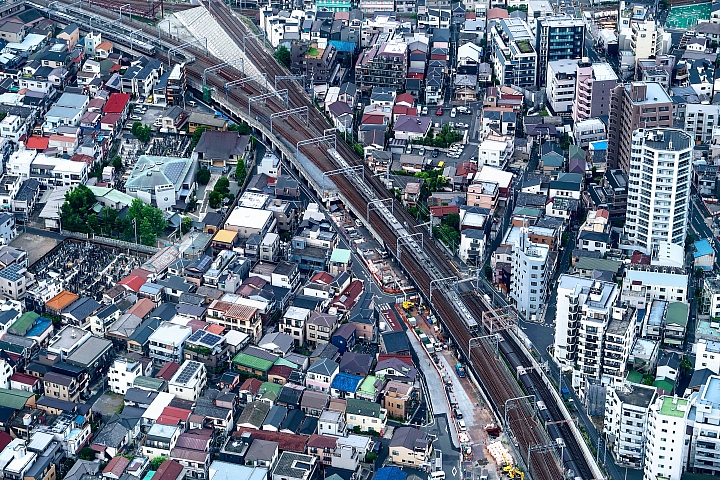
599,145
390,473
41,324
341,46
346,382
702,248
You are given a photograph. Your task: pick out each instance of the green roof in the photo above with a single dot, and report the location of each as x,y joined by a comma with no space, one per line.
634,377
362,407
576,152
602,264
287,363
15,399
368,385
248,361
269,390
672,407
23,324
530,212
664,384
340,255
112,195
151,383
677,314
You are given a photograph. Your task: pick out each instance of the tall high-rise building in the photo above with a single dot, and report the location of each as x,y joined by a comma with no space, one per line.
531,271
557,38
659,187
632,106
665,447
594,83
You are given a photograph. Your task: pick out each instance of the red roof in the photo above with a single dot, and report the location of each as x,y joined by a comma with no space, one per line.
470,16
322,277
169,470
37,143
406,359
465,168
132,282
5,440
110,118
639,258
497,13
79,157
173,416
116,103
405,98
197,325
322,441
168,370
24,378
283,371
441,211
139,272
349,296
370,119
286,441
215,328
251,385
116,466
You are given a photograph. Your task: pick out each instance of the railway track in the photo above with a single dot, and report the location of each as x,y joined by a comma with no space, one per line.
491,372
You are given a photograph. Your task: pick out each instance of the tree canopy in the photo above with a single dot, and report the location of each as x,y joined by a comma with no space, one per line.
282,55
142,132
78,215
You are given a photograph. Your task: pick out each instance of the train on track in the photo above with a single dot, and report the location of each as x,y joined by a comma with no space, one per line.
551,424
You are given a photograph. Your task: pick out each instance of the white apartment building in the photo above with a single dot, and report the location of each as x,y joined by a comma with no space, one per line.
703,420
710,305
707,355
51,171
659,188
513,53
699,120
590,130
530,274
591,332
560,83
626,412
166,343
644,39
494,153
13,128
665,444
643,284
189,381
122,374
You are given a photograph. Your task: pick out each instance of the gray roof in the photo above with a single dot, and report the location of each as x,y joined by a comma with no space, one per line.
254,414
216,144
410,438
111,435
82,308
82,467
275,416
138,395
323,366
261,450
396,341
89,351
356,362
152,171
293,465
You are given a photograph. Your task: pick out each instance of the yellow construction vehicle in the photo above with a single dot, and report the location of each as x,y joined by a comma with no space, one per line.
513,472
408,305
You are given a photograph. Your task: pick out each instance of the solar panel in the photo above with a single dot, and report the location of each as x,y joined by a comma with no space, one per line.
174,170
196,336
210,339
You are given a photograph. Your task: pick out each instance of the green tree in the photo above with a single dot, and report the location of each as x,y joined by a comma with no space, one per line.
240,171
156,462
241,128
215,199
452,220
141,132
222,186
186,224
196,136
117,164
86,453
282,55
488,272
203,176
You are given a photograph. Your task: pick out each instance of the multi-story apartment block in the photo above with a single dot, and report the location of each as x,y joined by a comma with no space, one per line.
514,57
531,271
293,323
644,283
560,84
122,374
626,412
703,426
698,120
665,446
166,343
590,130
618,343
659,189
594,84
632,106
382,65
236,316
558,38
189,381
584,307
315,60
644,39
710,304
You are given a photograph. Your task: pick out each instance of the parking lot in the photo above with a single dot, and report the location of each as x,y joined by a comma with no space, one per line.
471,139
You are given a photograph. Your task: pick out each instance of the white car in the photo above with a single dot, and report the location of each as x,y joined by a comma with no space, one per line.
135,117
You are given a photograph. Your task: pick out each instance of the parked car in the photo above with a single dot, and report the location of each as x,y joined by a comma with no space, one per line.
424,110
422,151
408,150
453,113
439,112
137,118
435,153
